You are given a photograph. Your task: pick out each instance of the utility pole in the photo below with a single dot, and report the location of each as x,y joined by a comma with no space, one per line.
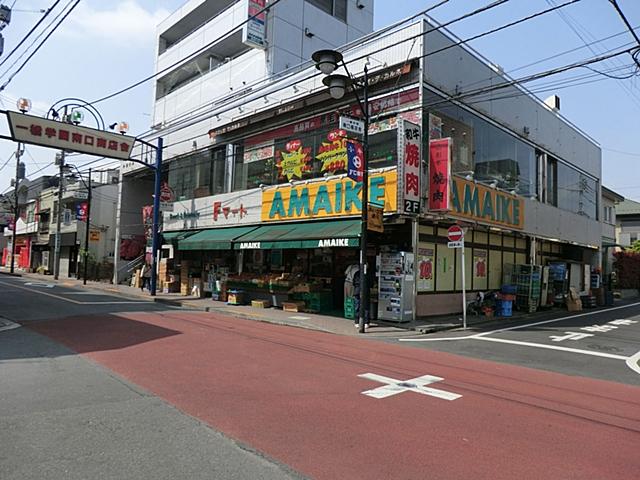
16,207
86,231
56,262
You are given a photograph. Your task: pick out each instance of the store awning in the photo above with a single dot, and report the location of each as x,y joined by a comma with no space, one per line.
171,237
213,239
327,234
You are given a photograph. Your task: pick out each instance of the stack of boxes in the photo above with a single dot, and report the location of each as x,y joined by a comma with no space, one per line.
167,282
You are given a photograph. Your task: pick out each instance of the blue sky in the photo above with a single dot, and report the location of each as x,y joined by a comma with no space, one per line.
104,46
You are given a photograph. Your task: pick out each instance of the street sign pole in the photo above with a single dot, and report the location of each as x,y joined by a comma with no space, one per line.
464,292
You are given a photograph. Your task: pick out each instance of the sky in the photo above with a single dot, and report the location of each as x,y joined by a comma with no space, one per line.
104,46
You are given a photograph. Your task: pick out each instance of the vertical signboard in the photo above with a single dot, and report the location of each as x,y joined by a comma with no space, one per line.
409,167
255,30
355,161
439,175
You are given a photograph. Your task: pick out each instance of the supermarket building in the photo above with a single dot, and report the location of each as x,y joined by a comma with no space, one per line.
262,201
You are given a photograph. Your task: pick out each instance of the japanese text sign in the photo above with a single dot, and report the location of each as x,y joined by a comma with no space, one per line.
254,31
439,175
355,157
81,211
409,167
66,136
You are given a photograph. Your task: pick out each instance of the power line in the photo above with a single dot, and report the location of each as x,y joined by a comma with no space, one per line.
24,39
4,85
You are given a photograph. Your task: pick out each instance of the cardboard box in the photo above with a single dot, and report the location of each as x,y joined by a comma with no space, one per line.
297,306
574,305
261,303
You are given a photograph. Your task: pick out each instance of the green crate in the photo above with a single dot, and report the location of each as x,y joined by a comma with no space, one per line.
349,308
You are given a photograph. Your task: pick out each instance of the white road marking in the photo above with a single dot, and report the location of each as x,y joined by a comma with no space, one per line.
39,284
553,347
570,336
8,325
74,301
544,322
633,362
417,385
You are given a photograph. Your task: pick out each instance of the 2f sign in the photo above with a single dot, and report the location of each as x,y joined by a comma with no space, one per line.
409,167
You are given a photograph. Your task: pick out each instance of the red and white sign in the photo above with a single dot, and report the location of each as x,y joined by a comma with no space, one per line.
439,175
455,233
254,31
409,167
66,136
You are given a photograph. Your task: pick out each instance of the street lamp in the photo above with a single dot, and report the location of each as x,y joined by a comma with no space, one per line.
327,61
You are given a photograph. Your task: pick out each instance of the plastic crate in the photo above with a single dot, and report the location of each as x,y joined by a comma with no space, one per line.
349,308
504,308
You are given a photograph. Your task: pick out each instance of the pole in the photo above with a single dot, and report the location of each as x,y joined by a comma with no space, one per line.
156,218
16,209
86,231
464,292
56,262
364,284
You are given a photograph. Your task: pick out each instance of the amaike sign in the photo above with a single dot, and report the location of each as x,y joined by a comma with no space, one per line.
328,198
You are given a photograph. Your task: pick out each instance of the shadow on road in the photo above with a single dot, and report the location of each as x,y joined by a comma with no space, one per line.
100,332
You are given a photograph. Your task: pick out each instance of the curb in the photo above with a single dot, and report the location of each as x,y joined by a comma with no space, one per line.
11,274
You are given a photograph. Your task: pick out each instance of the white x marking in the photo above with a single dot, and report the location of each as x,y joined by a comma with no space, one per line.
417,385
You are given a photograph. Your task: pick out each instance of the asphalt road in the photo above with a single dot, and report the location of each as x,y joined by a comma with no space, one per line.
130,390
602,344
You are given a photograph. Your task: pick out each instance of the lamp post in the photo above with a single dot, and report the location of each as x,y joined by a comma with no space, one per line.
85,261
327,61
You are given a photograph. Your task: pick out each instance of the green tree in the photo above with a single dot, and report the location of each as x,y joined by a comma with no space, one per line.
634,248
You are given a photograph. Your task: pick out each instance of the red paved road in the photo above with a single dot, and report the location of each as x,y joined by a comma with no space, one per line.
295,395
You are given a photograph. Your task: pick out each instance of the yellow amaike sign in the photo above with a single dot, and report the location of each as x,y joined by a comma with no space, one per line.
483,204
328,198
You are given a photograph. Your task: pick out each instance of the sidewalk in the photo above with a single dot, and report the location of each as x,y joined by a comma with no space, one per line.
324,323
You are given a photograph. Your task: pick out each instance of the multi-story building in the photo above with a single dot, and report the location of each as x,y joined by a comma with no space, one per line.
610,202
262,199
72,229
627,221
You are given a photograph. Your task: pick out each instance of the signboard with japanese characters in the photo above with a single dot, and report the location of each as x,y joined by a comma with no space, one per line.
238,208
254,31
426,256
439,175
66,136
81,211
409,167
355,161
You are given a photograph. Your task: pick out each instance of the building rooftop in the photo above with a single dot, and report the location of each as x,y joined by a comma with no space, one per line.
628,207
615,196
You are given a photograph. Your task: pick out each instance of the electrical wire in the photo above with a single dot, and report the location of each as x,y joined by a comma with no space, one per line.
34,28
12,76
7,161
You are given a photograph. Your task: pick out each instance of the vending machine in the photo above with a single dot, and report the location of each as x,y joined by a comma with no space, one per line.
395,286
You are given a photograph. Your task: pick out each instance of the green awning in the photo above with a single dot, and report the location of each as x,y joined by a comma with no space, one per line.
213,239
170,237
336,233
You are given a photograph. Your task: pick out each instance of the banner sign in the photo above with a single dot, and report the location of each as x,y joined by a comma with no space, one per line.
355,161
409,167
66,136
426,256
439,175
337,197
254,31
227,209
483,204
81,211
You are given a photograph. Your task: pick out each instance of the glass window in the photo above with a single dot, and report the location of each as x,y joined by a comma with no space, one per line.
521,243
480,269
492,154
337,8
480,237
468,260
198,175
521,259
509,241
444,268
495,269
495,239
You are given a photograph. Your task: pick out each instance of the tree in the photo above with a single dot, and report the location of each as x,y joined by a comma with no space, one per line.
634,248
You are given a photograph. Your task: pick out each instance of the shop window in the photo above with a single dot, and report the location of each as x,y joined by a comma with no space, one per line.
480,269
443,232
495,269
444,268
521,259
508,241
521,243
490,153
198,175
468,260
508,259
495,239
426,267
426,229
480,237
